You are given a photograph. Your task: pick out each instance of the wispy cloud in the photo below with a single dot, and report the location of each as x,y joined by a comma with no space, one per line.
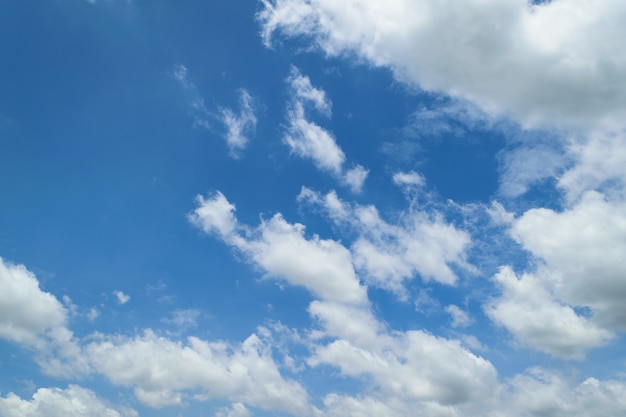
309,140
239,125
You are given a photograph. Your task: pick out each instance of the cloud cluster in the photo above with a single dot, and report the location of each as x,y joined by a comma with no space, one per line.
388,253
412,368
74,401
554,61
165,372
161,371
281,249
555,65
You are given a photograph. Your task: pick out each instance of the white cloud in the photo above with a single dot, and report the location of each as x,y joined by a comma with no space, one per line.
409,179
600,164
407,366
459,317
344,405
121,297
527,166
389,253
540,392
322,266
93,314
354,323
214,215
239,126
305,93
26,312
235,410
499,215
74,401
355,178
583,248
538,320
557,62
309,140
166,372
411,366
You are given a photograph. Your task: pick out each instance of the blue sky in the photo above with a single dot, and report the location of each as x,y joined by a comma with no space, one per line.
312,208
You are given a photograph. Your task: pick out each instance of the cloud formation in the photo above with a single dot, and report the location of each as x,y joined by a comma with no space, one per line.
389,253
281,249
74,401
553,61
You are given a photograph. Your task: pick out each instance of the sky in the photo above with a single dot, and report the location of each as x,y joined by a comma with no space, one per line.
312,208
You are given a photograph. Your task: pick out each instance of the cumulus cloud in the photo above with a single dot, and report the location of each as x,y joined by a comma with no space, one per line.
309,140
165,372
388,253
74,401
538,320
239,126
540,392
557,61
26,312
411,367
281,249
583,248
405,366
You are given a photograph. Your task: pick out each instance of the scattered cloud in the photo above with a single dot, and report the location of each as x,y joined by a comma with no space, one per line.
545,78
121,297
